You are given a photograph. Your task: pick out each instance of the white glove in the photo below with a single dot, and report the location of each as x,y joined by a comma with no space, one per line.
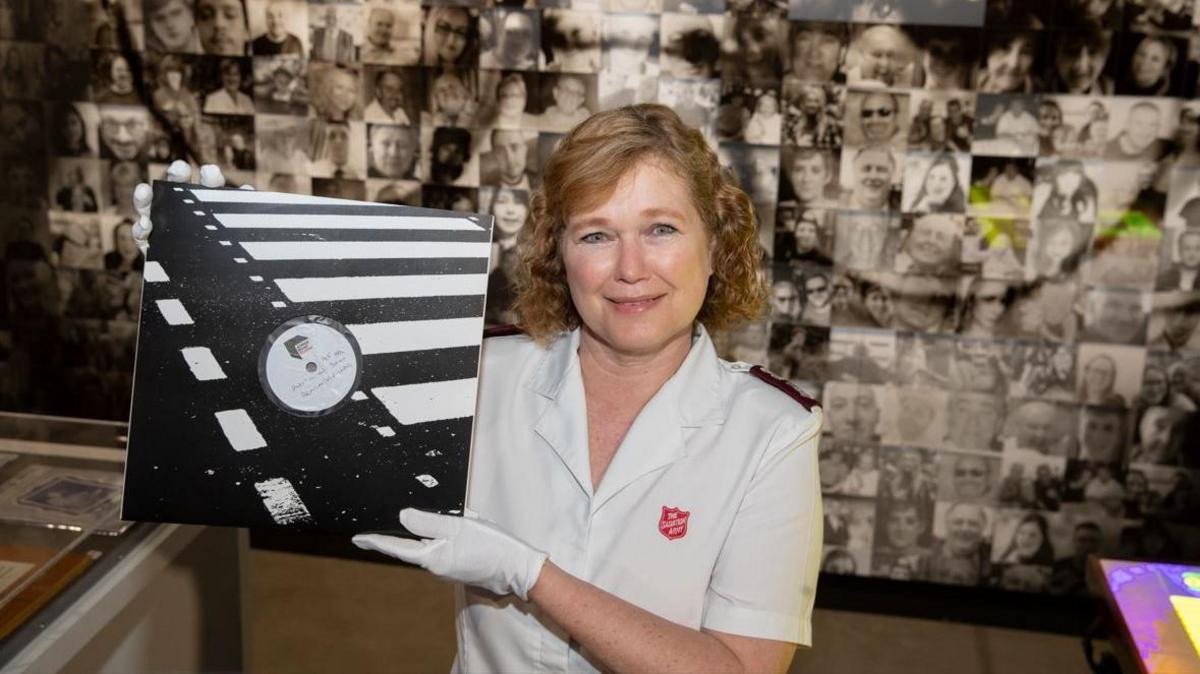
472,551
178,172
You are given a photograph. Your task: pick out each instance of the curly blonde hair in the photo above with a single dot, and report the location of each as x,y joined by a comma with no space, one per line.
583,172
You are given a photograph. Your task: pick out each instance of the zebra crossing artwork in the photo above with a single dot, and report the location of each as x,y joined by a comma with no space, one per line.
304,362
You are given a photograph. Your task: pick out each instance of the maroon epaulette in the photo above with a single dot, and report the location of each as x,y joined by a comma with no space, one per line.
502,330
762,375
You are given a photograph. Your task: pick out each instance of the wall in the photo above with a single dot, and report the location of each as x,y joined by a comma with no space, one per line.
980,220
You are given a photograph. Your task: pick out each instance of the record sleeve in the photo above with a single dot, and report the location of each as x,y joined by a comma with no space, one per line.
304,362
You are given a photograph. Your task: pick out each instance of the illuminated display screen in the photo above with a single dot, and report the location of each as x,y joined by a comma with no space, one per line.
1160,606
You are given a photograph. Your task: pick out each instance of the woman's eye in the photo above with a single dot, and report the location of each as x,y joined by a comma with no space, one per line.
663,228
592,237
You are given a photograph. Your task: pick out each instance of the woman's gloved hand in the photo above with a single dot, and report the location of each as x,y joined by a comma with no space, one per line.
472,551
178,172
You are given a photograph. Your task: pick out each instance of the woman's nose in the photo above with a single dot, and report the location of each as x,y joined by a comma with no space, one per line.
631,263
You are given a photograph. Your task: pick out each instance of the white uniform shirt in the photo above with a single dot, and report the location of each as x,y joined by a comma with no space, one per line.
735,455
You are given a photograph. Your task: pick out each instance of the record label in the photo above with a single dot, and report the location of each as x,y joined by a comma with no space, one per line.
310,365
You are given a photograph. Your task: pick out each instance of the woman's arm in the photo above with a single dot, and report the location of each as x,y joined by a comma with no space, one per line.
630,639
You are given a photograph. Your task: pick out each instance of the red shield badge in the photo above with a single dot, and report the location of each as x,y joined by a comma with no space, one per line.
673,523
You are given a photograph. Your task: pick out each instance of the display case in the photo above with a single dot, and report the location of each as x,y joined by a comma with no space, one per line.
80,589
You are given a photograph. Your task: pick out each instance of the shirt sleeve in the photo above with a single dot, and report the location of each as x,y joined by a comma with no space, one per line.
765,578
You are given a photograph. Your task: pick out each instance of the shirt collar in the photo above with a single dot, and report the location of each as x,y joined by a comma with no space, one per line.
695,386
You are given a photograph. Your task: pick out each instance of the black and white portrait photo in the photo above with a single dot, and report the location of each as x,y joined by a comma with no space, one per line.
278,27
570,41
392,34
393,95
281,84
514,38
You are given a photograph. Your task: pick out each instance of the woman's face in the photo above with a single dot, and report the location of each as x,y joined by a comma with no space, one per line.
1008,65
1099,376
510,211
1154,385
74,128
638,280
754,42
175,79
1067,182
450,31
988,303
939,183
767,106
1059,246
1027,539
231,78
122,76
879,306
1149,63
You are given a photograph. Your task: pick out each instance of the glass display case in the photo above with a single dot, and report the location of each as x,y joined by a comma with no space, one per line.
70,568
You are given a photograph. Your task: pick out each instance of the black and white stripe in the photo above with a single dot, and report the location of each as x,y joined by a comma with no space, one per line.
407,283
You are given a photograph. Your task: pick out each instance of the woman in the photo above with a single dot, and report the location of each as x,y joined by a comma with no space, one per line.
119,78
1093,135
1060,249
1150,67
986,304
635,246
1187,137
1068,194
510,208
1030,542
878,304
766,123
71,133
125,255
810,123
1008,65
230,99
1051,311
172,97
1096,384
1049,373
1155,389
941,189
755,58
450,38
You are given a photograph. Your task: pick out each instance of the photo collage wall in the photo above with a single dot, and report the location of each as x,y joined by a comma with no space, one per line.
980,219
